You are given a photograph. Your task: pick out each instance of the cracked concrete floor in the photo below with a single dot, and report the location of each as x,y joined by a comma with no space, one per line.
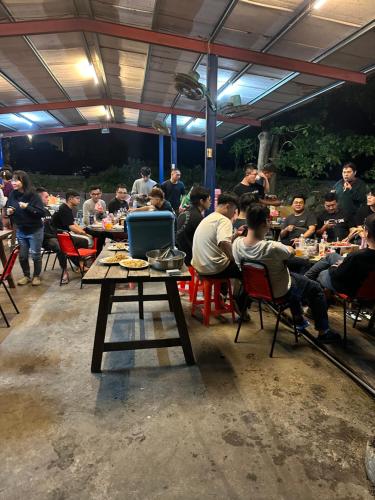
238,425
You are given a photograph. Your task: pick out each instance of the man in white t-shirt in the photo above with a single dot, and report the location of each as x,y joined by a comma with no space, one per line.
295,287
144,185
212,242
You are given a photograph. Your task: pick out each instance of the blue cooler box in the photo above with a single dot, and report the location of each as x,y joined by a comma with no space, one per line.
149,231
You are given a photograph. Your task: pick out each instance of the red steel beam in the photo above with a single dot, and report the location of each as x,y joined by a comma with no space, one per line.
96,126
84,103
49,26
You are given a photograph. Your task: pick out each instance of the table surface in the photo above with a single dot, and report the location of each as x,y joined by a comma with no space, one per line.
101,230
98,273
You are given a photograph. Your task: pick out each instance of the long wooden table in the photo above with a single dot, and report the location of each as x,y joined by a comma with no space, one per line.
4,234
108,277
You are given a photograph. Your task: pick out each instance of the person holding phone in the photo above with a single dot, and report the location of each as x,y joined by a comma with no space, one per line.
333,220
25,209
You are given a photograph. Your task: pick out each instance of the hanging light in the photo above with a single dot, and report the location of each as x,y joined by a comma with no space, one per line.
30,137
87,70
318,4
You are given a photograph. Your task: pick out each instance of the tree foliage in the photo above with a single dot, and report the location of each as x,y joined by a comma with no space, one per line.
245,150
311,150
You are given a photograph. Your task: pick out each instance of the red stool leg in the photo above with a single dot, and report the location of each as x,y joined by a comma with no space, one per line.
207,290
231,300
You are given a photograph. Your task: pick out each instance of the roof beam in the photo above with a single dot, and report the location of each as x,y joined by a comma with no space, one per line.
51,26
97,126
83,103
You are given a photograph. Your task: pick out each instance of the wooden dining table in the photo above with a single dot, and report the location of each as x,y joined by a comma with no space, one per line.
4,235
108,277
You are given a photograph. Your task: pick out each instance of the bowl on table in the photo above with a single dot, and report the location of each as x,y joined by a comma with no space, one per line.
174,259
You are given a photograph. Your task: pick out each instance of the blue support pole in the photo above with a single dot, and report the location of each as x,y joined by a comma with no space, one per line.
161,158
1,154
173,141
210,145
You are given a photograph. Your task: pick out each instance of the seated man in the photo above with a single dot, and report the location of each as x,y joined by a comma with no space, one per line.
63,220
94,205
300,222
50,241
294,287
119,203
157,202
333,220
187,222
346,275
212,242
367,209
246,200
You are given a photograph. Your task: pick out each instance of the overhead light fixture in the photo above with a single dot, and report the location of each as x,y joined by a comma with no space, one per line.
107,114
87,70
318,4
30,137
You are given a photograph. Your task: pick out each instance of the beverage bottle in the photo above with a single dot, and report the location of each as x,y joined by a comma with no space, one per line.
322,248
325,237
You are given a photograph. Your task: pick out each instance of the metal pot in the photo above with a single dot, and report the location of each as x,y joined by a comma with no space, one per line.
175,261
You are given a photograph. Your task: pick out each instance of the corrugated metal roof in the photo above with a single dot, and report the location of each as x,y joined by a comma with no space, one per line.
77,65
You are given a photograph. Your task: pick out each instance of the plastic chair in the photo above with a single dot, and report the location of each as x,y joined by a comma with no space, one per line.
8,267
257,285
49,253
188,286
69,248
206,284
364,295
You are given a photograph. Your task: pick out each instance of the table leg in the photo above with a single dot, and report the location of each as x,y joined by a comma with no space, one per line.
111,292
3,259
101,325
175,301
140,302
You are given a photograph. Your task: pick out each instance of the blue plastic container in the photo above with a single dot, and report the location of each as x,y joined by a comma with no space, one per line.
149,231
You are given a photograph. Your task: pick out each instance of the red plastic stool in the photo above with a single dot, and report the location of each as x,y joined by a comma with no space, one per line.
206,285
188,286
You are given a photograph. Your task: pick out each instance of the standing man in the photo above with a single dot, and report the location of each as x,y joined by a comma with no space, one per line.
333,220
300,223
119,201
94,205
249,184
265,175
50,241
350,191
143,185
174,189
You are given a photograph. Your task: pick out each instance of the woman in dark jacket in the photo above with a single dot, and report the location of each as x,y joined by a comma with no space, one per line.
26,210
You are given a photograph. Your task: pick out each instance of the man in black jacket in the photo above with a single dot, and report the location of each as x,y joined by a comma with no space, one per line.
50,241
187,222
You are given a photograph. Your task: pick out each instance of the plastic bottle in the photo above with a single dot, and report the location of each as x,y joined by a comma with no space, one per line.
322,248
325,237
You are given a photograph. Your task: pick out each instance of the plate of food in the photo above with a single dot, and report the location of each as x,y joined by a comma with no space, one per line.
120,245
134,264
113,259
339,244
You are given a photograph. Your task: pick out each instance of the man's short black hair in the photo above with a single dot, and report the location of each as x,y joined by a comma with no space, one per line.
121,186
225,198
269,167
145,171
71,193
300,195
370,226
93,188
351,165
371,190
257,216
198,193
247,200
41,189
331,196
249,167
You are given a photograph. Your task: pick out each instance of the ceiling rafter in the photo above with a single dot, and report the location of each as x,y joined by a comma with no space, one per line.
122,103
53,26
98,126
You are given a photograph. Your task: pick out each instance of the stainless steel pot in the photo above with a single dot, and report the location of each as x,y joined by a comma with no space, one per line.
175,261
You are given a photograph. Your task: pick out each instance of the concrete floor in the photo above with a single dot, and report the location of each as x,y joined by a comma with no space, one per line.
238,425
